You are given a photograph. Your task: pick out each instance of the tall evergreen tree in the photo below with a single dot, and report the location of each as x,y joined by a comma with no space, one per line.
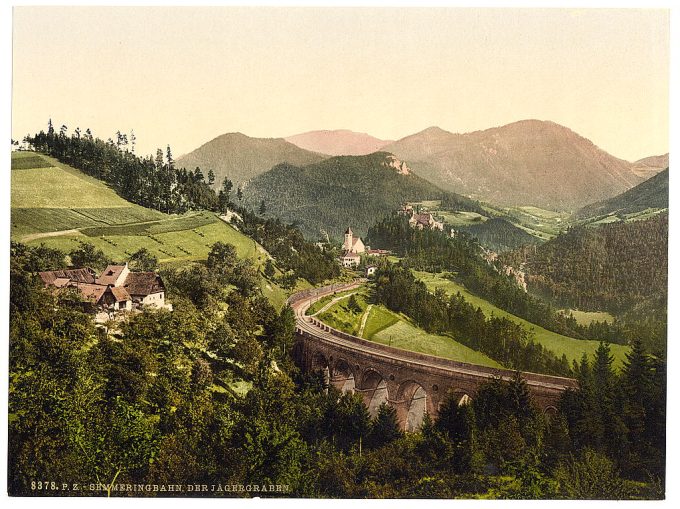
384,428
168,156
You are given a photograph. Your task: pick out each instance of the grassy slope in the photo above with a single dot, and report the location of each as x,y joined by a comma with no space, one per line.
587,317
58,186
540,223
58,197
557,343
314,308
384,326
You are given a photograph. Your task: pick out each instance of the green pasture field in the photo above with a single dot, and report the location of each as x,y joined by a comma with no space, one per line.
407,336
59,186
325,300
25,160
29,221
340,317
585,318
542,213
386,327
379,319
180,245
189,221
461,217
557,343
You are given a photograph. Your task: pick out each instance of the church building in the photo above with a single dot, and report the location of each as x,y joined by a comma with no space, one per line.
353,244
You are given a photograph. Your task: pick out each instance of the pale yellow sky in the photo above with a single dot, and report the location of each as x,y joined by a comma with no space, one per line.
185,75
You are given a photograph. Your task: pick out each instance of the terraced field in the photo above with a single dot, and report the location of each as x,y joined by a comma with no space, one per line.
384,326
557,343
60,207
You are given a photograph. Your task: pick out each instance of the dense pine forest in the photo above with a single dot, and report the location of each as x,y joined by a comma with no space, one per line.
611,267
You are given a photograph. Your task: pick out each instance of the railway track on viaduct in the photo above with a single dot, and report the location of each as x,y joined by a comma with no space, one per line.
413,383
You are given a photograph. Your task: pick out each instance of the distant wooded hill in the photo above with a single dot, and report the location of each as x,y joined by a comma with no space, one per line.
611,267
240,157
651,194
530,162
498,234
333,194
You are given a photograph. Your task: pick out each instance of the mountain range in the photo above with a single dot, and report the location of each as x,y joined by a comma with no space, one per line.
651,194
650,166
530,162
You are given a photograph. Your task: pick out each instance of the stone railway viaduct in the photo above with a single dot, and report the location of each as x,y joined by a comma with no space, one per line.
412,383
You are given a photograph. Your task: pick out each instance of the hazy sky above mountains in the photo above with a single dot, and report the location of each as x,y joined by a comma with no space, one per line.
186,75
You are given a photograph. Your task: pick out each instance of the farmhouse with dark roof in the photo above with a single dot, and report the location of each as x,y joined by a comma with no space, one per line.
116,288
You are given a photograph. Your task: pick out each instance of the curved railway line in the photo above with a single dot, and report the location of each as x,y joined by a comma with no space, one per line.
412,382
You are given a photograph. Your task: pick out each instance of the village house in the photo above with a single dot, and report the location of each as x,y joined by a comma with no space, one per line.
377,252
349,260
116,289
419,219
370,270
425,220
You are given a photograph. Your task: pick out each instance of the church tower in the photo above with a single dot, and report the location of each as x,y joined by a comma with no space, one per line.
347,246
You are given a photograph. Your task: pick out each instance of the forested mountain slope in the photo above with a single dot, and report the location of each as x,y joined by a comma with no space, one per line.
651,194
611,267
499,234
338,192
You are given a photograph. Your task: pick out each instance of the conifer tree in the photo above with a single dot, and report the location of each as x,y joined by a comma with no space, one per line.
384,428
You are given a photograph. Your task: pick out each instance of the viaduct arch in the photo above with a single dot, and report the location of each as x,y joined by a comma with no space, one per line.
411,382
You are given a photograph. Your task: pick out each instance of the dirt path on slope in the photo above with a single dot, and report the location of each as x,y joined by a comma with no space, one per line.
364,319
34,236
333,301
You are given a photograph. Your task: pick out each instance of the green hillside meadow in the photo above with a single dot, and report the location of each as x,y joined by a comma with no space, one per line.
557,343
383,326
59,206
